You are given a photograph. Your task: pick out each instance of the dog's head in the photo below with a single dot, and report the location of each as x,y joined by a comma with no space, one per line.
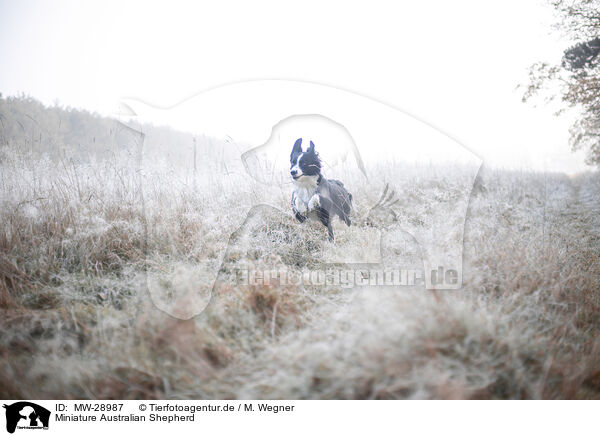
304,163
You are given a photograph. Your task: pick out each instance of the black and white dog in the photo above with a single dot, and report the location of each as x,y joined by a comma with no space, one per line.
315,196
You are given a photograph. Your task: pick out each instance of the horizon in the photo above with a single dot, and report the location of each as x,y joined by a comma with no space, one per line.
91,57
162,123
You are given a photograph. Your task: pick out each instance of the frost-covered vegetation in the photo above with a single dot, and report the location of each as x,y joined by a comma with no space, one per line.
86,238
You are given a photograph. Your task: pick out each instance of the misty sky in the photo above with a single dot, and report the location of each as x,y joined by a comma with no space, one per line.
453,64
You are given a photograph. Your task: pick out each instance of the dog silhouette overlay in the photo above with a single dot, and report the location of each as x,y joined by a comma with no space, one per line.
422,240
32,414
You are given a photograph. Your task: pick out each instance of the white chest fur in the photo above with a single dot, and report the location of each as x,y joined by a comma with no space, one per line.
305,189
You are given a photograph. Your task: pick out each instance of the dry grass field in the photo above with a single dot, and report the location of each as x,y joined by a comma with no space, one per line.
84,242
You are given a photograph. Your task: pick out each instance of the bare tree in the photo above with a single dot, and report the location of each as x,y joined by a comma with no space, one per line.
576,80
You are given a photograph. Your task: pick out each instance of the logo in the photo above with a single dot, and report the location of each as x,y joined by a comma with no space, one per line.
420,230
26,415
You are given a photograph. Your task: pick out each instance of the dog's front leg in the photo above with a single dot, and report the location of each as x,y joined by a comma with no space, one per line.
314,202
299,208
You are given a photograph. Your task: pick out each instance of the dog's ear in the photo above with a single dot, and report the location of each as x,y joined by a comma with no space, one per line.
297,148
311,149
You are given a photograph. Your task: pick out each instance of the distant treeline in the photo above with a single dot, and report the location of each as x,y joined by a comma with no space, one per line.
30,127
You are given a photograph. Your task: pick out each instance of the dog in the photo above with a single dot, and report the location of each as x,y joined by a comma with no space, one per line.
315,196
